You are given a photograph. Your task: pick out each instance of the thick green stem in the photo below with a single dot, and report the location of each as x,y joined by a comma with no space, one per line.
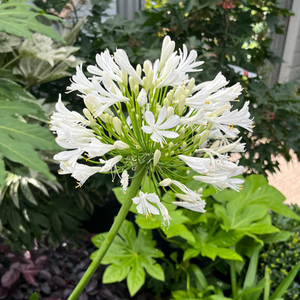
132,191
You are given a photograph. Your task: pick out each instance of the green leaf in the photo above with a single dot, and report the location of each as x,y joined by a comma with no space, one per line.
179,230
21,108
252,269
136,278
26,191
34,296
148,223
121,198
56,223
115,273
259,228
284,210
281,236
13,192
19,19
33,134
284,285
155,271
201,282
24,154
2,174
190,253
254,293
226,239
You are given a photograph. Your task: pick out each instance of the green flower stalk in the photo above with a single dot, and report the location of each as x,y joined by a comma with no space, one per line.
154,120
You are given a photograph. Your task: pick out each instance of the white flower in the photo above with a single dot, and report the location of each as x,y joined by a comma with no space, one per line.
196,206
157,128
164,213
122,60
198,164
144,207
109,164
187,62
83,172
106,65
166,182
63,115
197,118
80,82
96,148
142,98
124,181
69,157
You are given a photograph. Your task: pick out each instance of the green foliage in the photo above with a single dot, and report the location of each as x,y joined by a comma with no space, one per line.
129,255
20,19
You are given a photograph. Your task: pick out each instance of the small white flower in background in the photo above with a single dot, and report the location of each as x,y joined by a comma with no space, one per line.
156,115
124,181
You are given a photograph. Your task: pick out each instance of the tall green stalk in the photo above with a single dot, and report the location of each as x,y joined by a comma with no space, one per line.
132,191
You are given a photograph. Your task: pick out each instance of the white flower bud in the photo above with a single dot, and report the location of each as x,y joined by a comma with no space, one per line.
184,145
199,191
191,84
136,90
197,138
166,182
132,83
187,93
117,125
170,96
103,117
170,112
171,144
181,104
166,102
156,157
146,68
215,145
204,137
124,77
142,98
182,132
88,115
139,70
121,145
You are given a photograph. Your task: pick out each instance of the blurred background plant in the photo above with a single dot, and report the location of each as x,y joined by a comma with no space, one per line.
226,252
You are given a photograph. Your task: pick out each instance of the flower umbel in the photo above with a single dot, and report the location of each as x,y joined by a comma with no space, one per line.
156,117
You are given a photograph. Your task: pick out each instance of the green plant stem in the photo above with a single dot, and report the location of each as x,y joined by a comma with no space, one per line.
132,191
233,279
10,62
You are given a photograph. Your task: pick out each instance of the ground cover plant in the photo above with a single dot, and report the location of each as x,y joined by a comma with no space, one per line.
193,256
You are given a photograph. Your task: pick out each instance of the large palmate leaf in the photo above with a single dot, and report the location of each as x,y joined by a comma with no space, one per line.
23,153
130,256
33,134
20,19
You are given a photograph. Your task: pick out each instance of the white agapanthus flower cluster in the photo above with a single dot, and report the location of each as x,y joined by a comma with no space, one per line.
154,115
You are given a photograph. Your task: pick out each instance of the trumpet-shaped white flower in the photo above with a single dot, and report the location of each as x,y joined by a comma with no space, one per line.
188,62
122,60
143,205
157,129
195,206
231,118
168,47
106,65
164,213
80,82
82,172
96,148
109,164
124,181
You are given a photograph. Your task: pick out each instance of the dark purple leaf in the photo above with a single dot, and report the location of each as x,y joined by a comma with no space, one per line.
1,266
105,292
91,286
29,269
67,292
15,265
46,289
83,296
3,292
55,269
29,278
10,277
59,281
17,294
45,274
41,260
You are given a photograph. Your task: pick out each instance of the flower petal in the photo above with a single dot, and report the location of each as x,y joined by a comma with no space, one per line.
161,117
149,117
170,123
